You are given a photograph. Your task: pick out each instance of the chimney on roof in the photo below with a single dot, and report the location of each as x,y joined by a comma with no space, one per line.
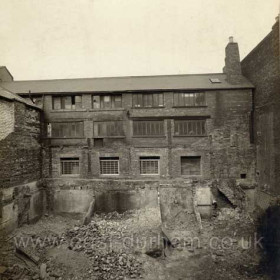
232,62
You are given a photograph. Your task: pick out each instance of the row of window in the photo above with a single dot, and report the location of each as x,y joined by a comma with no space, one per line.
139,100
147,166
140,128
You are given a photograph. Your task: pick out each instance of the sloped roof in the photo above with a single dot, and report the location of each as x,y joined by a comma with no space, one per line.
14,97
135,83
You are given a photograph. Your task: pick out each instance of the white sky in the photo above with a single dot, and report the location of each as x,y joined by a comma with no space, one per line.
53,39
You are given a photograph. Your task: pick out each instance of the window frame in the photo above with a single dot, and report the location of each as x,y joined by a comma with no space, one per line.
143,98
149,159
67,159
61,98
107,159
203,127
101,97
70,124
160,122
97,125
181,99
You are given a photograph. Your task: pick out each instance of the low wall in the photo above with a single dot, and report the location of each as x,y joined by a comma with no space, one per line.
21,204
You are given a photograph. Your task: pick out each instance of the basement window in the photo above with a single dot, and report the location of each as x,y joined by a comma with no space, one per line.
109,166
70,166
149,165
190,165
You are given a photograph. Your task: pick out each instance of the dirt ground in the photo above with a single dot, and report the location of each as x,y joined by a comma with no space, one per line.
130,246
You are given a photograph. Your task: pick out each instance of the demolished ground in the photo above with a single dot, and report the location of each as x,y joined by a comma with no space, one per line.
130,246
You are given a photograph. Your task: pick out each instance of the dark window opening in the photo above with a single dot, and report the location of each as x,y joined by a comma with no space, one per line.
98,142
190,165
70,166
243,176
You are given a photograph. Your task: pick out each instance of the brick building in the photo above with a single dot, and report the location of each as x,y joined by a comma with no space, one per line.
21,196
262,67
121,138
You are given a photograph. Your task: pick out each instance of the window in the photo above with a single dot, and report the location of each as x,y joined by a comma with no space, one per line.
149,165
109,165
189,99
189,128
70,166
67,102
148,128
147,100
107,101
190,165
67,129
215,81
110,128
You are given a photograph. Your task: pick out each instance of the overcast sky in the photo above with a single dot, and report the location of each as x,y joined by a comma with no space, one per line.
53,39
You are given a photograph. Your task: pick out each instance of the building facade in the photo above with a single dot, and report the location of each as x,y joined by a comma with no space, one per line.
131,133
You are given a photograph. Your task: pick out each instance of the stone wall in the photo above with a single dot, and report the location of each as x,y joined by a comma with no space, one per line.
7,119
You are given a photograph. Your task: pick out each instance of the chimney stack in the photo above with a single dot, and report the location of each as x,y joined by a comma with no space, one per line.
232,63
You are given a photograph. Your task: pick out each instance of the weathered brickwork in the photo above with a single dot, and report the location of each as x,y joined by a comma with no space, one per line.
20,150
226,151
262,68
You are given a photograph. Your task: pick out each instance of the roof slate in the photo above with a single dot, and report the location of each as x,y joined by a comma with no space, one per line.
115,84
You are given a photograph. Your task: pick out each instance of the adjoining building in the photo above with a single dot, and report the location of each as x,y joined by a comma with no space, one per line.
120,139
262,67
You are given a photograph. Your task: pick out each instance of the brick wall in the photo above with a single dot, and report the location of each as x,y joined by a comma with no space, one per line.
262,68
20,150
7,119
226,151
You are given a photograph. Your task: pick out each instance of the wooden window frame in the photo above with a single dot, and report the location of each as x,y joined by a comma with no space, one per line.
142,100
100,101
147,126
185,125
51,135
62,99
118,124
189,99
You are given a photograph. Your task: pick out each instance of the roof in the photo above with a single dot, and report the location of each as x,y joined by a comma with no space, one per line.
14,97
135,83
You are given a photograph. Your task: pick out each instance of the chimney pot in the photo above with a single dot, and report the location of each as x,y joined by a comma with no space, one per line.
231,39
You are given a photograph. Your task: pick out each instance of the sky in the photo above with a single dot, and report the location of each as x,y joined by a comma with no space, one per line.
58,39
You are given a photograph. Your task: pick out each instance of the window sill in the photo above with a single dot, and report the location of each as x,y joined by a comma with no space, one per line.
148,175
102,110
201,106
69,175
109,175
190,136
106,137
160,107
64,138
67,110
150,136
